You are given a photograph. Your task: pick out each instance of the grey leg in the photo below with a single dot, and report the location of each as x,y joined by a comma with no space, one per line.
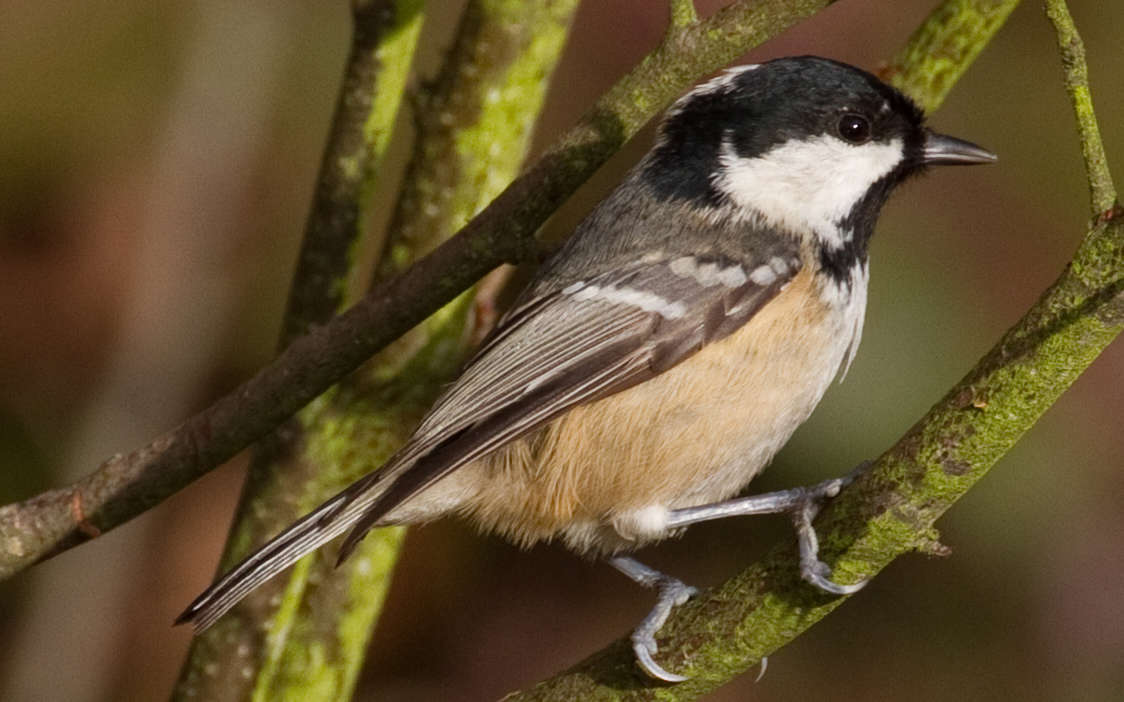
671,593
803,504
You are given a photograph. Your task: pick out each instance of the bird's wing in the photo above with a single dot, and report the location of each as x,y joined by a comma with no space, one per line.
553,351
572,346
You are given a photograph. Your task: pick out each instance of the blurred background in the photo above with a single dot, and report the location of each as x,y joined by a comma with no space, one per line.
156,163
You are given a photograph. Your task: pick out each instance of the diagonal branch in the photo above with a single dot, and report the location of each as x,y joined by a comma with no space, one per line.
891,509
128,484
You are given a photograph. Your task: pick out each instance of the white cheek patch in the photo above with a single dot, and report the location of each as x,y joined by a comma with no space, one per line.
808,185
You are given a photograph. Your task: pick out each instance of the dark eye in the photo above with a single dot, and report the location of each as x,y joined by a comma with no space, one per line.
854,128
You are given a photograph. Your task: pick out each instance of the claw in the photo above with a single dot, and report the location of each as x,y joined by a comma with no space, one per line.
802,503
648,664
819,575
812,569
671,593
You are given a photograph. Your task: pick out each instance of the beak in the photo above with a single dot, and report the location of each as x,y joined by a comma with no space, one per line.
943,150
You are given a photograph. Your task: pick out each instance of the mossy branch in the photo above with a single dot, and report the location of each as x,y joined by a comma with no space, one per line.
384,35
238,660
126,485
943,47
892,508
474,126
1102,191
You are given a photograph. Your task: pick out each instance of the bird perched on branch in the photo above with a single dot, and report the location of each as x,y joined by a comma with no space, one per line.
658,361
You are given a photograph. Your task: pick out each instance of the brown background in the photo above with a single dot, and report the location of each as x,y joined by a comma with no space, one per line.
156,161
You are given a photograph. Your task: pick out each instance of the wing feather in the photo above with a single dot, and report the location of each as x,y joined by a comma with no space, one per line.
555,350
574,347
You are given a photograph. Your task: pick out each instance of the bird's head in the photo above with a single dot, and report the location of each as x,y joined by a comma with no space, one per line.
805,145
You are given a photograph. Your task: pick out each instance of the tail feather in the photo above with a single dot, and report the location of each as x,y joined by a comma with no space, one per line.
309,533
367,499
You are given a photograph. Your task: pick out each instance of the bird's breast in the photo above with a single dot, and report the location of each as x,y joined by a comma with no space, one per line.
695,434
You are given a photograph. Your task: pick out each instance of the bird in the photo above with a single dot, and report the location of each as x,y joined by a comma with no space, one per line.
660,358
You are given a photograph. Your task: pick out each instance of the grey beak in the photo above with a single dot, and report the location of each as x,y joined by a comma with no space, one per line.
943,150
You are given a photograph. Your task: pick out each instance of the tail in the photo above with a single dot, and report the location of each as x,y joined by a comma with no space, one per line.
312,531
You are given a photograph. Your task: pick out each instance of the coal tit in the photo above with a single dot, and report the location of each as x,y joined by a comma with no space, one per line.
658,360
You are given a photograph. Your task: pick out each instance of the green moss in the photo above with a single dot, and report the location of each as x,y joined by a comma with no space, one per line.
354,429
395,54
944,46
491,149
276,638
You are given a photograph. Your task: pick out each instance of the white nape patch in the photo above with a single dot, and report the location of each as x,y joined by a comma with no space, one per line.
806,186
642,524
722,81
718,84
708,274
649,302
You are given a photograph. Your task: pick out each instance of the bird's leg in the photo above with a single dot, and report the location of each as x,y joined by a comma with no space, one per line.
672,593
803,504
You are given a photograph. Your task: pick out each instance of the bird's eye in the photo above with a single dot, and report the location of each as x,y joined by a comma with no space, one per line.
854,128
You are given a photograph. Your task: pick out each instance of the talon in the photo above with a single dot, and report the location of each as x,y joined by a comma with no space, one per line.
648,664
820,576
671,593
812,569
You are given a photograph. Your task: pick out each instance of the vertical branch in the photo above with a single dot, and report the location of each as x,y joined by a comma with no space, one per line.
383,39
474,126
473,132
223,664
1102,191
127,484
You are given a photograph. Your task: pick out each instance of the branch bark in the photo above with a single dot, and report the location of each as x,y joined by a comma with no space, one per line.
126,485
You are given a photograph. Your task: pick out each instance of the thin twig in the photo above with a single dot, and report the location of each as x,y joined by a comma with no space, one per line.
1102,191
